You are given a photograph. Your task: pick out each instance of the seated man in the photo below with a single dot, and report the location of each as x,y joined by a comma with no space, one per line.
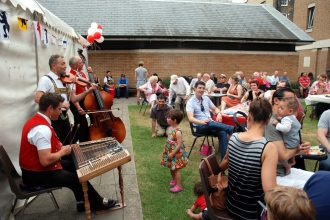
194,80
158,115
198,111
122,85
41,152
180,87
109,84
323,135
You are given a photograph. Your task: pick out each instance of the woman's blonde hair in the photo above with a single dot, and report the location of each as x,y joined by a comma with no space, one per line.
153,78
289,203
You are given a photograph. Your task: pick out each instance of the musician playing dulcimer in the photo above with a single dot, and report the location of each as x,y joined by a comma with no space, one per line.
78,108
51,82
41,152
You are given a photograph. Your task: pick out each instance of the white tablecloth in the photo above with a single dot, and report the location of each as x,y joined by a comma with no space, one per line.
313,99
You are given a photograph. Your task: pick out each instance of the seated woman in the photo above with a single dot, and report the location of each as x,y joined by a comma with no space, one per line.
304,82
253,93
234,94
251,161
151,89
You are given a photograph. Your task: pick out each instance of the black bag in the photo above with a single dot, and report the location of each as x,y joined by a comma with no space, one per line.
239,127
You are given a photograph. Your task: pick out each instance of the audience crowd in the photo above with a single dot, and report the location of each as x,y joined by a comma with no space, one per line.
260,161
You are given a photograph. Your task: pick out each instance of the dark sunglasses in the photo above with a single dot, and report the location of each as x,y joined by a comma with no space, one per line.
202,106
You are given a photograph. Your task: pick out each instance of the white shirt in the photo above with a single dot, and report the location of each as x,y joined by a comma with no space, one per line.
180,88
40,136
209,85
46,85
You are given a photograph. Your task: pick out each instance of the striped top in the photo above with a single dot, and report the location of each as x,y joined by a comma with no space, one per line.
244,177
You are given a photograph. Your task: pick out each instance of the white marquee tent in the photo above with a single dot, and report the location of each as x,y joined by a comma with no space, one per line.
24,58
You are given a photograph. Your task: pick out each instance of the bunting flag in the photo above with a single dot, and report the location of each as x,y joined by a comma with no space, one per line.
22,23
37,30
65,43
53,39
44,37
4,26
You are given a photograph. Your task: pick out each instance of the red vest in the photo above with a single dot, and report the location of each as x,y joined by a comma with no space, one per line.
28,155
79,88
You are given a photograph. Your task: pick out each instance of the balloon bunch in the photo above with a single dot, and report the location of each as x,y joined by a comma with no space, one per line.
95,33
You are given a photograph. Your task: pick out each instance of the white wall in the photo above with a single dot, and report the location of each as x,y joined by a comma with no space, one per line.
18,83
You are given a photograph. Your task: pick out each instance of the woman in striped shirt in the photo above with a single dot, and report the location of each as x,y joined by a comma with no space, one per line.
251,161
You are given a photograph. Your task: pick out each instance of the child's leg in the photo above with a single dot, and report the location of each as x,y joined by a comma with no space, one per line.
177,177
193,215
173,174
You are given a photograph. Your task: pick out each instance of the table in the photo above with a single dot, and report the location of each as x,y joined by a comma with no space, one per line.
228,118
313,99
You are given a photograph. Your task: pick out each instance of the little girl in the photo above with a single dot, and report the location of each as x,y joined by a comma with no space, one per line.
174,155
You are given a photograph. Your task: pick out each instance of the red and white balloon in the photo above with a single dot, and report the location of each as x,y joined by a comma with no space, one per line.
95,33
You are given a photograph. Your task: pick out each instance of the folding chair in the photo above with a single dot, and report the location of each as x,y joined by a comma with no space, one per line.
144,102
16,184
214,214
198,135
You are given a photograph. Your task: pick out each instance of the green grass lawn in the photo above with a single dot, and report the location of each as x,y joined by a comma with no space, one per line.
153,180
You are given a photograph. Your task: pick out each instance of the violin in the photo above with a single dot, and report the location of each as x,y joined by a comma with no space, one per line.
68,78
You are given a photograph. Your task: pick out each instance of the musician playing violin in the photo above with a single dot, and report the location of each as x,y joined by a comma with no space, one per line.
78,108
51,82
41,152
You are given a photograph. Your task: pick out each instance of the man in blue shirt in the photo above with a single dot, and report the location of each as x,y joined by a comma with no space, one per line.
198,111
122,85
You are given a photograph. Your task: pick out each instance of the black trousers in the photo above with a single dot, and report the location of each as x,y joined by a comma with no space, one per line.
80,133
67,177
63,129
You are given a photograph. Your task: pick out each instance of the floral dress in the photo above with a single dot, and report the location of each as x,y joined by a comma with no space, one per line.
180,159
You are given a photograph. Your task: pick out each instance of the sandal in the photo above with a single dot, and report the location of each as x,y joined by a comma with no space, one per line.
176,189
172,183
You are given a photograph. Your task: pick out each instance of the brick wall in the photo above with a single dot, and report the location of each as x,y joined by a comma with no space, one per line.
319,60
189,62
321,28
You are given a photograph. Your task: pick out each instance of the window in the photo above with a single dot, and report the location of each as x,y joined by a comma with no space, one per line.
310,17
284,2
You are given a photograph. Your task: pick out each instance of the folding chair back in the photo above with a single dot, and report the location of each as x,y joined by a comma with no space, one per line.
214,214
16,183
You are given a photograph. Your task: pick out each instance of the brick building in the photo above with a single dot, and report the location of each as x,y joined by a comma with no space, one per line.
313,17
175,37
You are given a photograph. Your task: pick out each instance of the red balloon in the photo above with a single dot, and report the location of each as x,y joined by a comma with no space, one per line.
90,38
97,35
99,26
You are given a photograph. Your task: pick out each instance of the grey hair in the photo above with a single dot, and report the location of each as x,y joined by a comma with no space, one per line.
53,60
73,60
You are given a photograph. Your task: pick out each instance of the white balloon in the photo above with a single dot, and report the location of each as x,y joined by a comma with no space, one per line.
94,25
99,30
93,29
100,40
90,31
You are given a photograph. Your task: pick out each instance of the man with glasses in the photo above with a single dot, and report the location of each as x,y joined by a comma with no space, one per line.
320,87
198,111
159,125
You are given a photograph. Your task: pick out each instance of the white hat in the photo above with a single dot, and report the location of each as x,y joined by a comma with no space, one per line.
173,78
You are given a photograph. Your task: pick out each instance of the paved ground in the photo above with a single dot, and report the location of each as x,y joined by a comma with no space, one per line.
107,185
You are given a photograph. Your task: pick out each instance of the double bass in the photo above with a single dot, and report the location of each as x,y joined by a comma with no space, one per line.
103,122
